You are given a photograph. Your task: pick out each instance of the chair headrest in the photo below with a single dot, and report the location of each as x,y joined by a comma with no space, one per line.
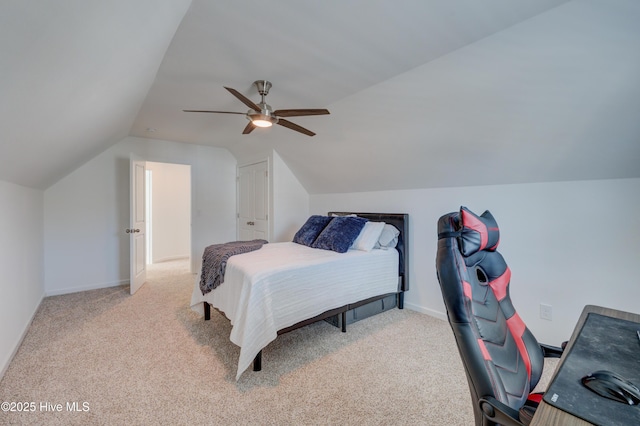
478,232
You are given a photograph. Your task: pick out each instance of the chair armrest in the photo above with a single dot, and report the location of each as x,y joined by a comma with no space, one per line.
552,351
499,412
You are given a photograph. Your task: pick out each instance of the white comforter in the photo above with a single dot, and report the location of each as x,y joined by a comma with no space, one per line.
282,284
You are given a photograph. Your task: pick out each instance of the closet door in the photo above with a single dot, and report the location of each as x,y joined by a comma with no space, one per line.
253,202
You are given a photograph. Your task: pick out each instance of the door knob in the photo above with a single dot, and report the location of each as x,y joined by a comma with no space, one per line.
251,223
131,231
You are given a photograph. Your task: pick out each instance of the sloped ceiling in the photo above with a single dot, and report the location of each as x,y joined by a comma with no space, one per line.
423,93
73,75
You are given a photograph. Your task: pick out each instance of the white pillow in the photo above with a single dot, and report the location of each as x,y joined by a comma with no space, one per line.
369,236
388,237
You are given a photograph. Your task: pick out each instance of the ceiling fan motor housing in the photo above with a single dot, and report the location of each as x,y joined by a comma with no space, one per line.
263,87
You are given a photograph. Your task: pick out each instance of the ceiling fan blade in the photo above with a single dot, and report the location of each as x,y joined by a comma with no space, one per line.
295,127
248,129
299,112
243,99
216,112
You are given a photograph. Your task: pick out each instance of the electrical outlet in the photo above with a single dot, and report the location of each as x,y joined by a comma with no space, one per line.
546,312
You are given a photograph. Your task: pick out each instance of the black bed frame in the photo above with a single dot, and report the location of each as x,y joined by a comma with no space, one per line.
400,221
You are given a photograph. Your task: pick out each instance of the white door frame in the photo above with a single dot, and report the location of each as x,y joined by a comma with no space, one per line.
133,158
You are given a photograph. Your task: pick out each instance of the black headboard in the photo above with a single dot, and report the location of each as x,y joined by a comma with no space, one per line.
400,221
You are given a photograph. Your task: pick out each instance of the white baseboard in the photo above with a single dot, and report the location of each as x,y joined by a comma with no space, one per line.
25,329
436,314
169,259
69,290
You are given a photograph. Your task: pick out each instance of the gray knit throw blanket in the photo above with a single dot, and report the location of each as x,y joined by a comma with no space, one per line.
214,261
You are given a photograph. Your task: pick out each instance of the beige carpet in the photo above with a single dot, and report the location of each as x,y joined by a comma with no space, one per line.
110,358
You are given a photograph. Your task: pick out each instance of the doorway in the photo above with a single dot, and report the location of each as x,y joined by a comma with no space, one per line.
168,202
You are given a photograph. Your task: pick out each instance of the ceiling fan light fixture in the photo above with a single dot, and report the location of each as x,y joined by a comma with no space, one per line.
262,120
261,123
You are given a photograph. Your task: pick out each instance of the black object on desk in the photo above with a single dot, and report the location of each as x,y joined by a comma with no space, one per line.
613,386
604,343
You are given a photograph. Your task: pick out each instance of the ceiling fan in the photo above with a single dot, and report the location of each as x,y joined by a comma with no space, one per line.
262,115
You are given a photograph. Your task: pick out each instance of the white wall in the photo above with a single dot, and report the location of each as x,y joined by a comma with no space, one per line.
171,211
87,212
290,201
21,264
568,244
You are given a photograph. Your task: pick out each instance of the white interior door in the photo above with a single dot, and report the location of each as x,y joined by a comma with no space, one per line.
137,231
253,202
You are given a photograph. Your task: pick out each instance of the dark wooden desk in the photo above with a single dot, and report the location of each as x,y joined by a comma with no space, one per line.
546,414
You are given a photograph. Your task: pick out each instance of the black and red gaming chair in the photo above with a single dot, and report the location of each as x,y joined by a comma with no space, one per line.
502,360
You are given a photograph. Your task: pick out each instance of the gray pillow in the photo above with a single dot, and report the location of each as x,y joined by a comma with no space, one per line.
388,238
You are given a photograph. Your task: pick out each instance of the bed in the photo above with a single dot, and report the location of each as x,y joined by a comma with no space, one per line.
284,286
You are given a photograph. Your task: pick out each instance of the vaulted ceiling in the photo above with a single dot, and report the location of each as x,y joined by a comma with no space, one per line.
422,93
